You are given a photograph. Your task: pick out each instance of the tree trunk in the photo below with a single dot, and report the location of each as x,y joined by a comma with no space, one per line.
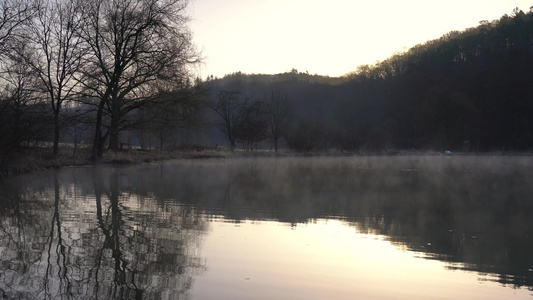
114,139
113,129
98,142
56,133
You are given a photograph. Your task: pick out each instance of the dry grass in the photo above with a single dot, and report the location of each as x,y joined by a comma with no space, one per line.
42,158
39,158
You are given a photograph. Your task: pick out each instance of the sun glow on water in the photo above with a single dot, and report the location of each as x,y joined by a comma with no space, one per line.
324,259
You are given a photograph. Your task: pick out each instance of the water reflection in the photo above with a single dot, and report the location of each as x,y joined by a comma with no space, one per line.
81,234
473,212
136,232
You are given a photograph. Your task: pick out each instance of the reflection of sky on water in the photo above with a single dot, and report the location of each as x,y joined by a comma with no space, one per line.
328,227
327,259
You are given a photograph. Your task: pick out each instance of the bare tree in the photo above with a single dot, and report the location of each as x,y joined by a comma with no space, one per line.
253,126
178,110
134,44
279,115
241,119
231,107
13,14
53,49
23,119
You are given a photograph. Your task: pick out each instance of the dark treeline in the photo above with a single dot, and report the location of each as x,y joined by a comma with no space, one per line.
467,91
118,74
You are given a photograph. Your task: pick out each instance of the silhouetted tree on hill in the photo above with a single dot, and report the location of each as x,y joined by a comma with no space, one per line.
231,107
279,115
252,126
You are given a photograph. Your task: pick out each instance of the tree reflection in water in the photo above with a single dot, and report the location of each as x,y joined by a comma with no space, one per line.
111,233
472,212
85,236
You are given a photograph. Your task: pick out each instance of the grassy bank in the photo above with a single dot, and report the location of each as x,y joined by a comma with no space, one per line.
39,158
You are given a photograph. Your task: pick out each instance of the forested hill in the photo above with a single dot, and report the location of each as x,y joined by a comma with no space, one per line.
466,91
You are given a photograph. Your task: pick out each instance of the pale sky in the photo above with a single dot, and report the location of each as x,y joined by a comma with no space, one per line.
327,37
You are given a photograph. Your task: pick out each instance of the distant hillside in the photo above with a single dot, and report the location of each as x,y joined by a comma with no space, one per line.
467,91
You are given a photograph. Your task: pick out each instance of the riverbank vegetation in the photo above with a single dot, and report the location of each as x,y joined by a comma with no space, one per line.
77,71
466,91
38,158
97,81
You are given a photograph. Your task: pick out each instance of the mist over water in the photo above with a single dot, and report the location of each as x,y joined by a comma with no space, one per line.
141,231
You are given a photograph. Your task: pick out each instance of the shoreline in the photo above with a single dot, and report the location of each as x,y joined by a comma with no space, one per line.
41,158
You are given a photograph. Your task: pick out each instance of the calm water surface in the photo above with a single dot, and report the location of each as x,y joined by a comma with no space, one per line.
405,227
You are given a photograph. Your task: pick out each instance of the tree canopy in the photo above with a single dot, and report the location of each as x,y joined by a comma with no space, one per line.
466,91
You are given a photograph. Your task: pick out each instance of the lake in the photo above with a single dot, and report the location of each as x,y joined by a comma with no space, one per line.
383,227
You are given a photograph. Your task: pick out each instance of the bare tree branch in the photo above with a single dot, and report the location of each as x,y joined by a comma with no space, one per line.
134,43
